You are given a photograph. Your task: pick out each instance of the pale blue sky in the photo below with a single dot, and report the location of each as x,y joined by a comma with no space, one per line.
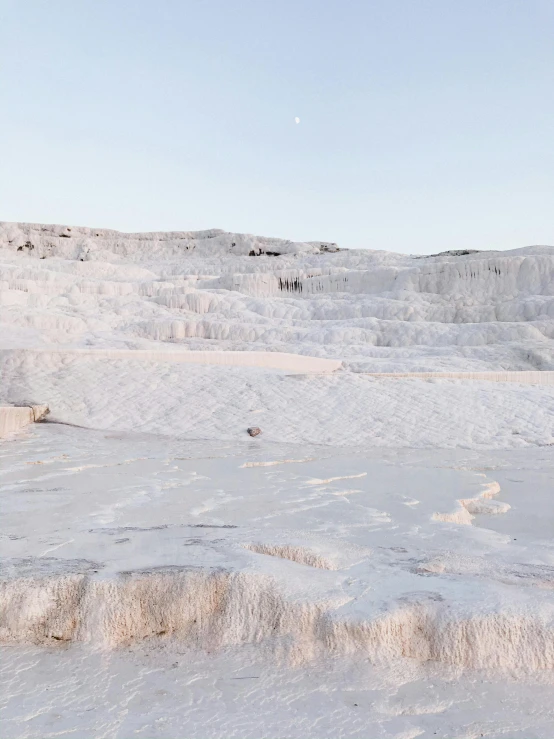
424,124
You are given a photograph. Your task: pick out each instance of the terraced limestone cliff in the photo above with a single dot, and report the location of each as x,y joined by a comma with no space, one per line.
388,531
68,292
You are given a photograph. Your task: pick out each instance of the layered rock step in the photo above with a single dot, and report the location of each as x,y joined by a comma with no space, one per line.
15,418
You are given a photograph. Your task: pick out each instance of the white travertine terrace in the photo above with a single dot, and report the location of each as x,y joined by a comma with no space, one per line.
108,328
395,512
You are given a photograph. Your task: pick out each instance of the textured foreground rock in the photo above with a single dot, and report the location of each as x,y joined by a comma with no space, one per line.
114,541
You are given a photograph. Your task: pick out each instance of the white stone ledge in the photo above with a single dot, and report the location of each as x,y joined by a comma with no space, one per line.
268,360
14,418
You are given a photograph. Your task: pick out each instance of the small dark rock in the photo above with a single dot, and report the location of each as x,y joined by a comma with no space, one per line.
254,431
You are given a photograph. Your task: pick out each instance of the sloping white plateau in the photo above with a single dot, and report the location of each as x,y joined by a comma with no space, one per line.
375,561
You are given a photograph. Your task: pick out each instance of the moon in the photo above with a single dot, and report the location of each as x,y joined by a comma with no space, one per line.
297,120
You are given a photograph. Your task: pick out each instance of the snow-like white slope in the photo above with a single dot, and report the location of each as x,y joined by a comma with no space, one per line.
221,402
168,529
68,288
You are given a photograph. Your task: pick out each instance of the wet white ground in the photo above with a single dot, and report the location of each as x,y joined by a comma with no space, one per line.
457,606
